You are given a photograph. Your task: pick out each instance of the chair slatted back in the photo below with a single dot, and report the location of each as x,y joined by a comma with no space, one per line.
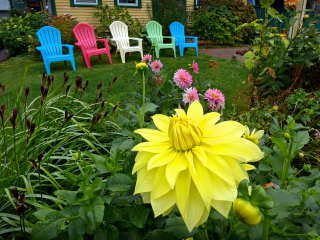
154,30
177,31
49,38
119,30
85,35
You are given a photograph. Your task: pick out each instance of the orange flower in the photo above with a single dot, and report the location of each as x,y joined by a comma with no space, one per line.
291,3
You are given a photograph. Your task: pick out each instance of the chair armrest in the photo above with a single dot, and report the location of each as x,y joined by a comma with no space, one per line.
191,37
172,39
106,41
138,39
68,46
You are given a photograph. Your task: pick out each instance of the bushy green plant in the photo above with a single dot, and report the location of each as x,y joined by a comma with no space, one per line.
166,12
15,31
217,25
280,62
65,24
108,15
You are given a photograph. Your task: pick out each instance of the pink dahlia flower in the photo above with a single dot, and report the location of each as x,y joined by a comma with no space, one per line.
195,67
215,99
156,65
146,59
182,78
190,95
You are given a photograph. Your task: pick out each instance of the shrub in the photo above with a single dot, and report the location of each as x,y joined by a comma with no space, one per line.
15,31
65,24
107,15
166,11
217,25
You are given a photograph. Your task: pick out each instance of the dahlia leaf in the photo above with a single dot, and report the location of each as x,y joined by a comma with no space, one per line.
138,215
177,227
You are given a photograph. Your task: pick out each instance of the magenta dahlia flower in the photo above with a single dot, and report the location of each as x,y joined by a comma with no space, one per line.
190,95
215,99
146,59
182,78
195,67
156,65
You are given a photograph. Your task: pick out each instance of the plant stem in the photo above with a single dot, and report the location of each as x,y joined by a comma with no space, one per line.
15,154
40,182
143,100
266,225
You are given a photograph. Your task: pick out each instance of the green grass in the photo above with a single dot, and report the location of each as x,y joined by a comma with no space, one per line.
228,78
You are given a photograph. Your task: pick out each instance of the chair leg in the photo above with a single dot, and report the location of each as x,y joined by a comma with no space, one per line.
87,58
73,64
65,62
141,54
109,55
83,58
123,56
47,66
100,57
197,51
157,52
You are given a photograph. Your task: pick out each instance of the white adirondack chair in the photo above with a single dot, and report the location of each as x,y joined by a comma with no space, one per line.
119,32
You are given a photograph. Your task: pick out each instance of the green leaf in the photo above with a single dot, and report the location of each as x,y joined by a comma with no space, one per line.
304,183
138,215
49,229
258,194
93,214
177,227
106,233
277,162
69,196
42,213
101,162
107,199
284,202
159,234
96,184
76,228
109,215
281,146
119,182
149,107
243,188
267,203
299,140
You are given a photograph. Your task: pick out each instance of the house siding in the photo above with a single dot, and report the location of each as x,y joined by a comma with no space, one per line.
85,14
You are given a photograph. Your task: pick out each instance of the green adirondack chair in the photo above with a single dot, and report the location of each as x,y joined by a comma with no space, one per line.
154,30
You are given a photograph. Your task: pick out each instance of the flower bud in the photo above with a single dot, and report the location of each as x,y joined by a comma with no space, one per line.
87,83
100,85
94,119
100,95
301,155
102,104
44,74
34,163
64,74
3,108
114,79
246,212
33,126
106,113
40,156
275,107
115,107
22,198
69,117
67,90
287,136
28,123
76,155
12,122
15,193
306,17
14,114
42,89
26,91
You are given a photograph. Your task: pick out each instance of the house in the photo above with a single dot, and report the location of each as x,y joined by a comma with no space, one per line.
83,9
4,8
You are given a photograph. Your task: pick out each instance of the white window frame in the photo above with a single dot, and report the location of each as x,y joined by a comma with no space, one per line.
85,3
128,4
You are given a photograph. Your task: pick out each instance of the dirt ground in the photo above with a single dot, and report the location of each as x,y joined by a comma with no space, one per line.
225,53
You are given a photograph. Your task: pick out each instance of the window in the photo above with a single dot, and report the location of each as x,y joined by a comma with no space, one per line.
128,3
84,3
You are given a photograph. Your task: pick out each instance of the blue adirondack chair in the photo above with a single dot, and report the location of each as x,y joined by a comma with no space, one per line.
51,47
177,31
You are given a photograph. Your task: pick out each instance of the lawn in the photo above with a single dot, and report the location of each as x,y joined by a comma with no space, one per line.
229,77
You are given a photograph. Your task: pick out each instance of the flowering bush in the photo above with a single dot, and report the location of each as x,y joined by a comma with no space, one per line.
15,31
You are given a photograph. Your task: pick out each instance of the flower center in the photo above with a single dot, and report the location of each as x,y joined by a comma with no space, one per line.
184,134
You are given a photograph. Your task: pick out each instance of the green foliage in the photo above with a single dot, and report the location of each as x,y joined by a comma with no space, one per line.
166,12
108,15
16,31
65,24
217,25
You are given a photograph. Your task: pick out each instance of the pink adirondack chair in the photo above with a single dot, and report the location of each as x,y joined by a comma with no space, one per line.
88,43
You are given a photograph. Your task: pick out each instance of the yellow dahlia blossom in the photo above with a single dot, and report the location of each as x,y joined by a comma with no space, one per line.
192,162
253,136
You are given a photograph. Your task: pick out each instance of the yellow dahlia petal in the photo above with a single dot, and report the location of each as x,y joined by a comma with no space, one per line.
182,187
152,147
146,197
223,129
142,160
162,158
248,167
175,167
195,111
168,211
194,209
202,180
189,156
164,203
208,120
218,165
241,149
204,217
218,140
144,180
239,173
222,207
181,113
161,122
160,184
201,154
222,191
152,135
